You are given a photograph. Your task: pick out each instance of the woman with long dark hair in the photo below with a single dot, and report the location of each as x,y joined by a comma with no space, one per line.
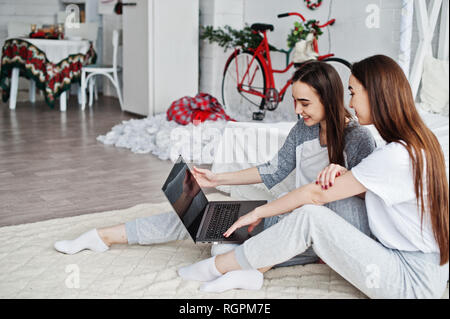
326,133
407,201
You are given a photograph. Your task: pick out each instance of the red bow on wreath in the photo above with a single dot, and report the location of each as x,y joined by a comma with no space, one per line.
313,6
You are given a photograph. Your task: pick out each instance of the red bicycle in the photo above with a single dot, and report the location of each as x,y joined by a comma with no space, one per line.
248,78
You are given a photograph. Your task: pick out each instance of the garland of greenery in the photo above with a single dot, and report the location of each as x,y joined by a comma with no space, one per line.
229,38
313,6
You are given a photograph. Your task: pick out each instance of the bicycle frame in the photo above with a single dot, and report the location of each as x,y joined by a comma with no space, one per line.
267,69
266,61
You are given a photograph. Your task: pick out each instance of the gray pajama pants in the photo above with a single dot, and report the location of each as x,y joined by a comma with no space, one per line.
167,227
379,272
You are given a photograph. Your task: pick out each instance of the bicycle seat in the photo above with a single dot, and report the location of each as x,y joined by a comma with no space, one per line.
262,27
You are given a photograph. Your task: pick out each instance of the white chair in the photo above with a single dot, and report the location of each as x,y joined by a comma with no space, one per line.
89,72
88,31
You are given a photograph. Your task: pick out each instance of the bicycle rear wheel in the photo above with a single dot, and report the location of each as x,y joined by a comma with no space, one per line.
238,104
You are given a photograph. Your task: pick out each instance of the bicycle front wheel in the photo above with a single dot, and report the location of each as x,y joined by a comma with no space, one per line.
243,68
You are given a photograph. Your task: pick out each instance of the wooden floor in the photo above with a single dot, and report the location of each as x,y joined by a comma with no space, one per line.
51,164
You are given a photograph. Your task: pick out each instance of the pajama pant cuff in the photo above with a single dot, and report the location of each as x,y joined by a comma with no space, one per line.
242,260
131,230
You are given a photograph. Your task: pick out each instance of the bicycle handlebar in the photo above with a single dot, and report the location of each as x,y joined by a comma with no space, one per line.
284,15
331,22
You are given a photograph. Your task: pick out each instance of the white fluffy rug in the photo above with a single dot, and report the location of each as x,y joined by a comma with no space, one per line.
162,138
31,268
167,139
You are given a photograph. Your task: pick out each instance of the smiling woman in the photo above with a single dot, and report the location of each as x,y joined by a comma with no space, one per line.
322,104
396,118
406,196
318,96
301,152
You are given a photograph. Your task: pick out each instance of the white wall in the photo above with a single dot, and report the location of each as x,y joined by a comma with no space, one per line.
349,37
212,57
29,11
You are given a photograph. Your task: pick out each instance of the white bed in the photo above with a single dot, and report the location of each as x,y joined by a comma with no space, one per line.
229,145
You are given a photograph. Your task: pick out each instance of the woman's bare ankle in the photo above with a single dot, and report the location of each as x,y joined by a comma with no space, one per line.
113,235
102,234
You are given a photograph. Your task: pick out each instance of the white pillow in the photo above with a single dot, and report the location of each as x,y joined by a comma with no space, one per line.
434,92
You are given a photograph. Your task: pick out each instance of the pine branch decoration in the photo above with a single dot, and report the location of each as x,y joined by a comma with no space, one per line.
229,38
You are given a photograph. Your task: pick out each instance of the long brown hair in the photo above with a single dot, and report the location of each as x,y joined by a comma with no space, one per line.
396,118
325,80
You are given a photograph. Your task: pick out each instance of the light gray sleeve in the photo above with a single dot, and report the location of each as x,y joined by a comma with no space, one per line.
283,163
359,144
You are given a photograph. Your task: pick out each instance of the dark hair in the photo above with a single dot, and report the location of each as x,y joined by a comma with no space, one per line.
396,118
325,80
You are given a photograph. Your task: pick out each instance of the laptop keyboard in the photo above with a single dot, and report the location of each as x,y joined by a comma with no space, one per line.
224,216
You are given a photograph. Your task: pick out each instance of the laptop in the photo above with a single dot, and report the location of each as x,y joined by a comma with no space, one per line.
205,220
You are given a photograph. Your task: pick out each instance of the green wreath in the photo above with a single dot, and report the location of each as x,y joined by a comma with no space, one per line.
301,31
313,6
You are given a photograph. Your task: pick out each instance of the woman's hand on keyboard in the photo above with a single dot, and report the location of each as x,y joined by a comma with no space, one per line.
251,219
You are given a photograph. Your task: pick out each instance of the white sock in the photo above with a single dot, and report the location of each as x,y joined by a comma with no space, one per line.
89,240
239,279
204,270
219,249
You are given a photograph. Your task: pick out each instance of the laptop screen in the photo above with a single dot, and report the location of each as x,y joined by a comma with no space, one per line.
185,196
